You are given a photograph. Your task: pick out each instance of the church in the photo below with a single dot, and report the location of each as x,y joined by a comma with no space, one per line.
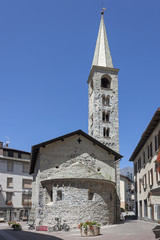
76,177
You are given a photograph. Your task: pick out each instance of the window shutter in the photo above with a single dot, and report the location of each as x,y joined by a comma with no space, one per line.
152,175
148,151
155,139
159,139
149,178
139,185
151,149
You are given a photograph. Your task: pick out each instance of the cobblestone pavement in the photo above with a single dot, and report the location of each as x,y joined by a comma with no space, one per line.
129,230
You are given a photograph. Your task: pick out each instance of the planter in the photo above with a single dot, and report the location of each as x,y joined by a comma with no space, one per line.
90,231
83,232
17,228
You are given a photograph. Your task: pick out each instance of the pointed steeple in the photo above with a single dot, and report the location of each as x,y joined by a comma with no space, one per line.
102,56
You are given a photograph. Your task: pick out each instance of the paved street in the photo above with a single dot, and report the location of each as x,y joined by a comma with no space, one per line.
129,230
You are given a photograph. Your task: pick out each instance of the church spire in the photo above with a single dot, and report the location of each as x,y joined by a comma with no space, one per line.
102,56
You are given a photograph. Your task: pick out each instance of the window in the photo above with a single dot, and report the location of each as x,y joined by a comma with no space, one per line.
59,195
25,168
8,197
145,181
139,163
90,195
139,185
144,158
10,153
19,154
135,168
156,143
151,176
150,150
106,132
105,116
9,182
26,199
105,83
157,169
10,166
27,183
105,100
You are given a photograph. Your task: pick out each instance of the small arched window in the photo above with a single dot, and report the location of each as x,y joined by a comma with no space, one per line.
106,132
59,195
90,195
105,83
105,100
105,116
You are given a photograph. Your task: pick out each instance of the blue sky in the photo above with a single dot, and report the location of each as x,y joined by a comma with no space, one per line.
46,51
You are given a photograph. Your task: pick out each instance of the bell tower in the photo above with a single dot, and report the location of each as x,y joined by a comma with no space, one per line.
103,118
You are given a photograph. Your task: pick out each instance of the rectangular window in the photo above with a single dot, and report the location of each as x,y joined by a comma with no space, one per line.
9,182
139,163
145,181
26,199
27,183
10,166
135,168
150,151
25,168
10,153
8,197
157,172
151,176
144,158
139,185
156,143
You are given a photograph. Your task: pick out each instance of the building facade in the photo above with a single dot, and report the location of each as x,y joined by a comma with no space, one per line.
74,179
126,193
146,171
15,184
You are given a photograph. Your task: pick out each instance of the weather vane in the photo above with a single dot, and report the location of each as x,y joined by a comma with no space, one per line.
103,9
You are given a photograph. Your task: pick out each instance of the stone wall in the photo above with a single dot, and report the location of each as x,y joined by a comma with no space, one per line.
96,107
75,206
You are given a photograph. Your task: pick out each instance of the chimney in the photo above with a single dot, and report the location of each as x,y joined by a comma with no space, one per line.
1,148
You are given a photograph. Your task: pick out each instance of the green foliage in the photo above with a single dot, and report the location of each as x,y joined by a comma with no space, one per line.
88,223
122,210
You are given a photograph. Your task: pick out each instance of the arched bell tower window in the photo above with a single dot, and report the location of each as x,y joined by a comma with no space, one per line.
105,83
106,132
105,100
105,116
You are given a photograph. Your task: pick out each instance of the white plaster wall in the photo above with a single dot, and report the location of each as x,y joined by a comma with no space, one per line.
144,170
17,176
